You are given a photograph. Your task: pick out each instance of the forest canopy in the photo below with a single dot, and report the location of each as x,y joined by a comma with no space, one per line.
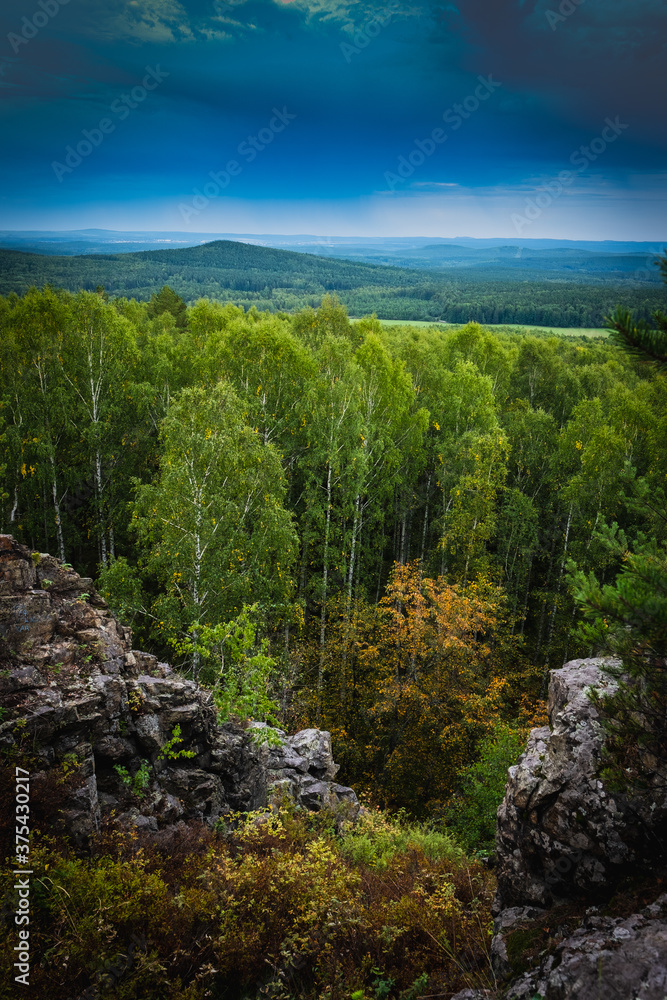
383,515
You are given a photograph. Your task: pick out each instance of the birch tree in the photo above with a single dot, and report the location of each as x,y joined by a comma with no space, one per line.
36,399
98,355
218,534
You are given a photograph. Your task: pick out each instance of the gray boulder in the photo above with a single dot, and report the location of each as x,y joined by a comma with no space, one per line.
618,959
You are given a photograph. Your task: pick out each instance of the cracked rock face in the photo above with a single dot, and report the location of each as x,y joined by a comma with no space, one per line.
560,832
69,678
612,958
563,838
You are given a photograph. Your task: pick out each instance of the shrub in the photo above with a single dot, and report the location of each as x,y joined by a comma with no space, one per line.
377,839
169,748
472,814
276,905
138,782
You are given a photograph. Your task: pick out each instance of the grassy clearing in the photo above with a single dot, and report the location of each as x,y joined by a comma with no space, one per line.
378,839
418,322
557,331
551,331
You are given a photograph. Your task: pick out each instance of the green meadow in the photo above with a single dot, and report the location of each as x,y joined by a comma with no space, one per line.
556,331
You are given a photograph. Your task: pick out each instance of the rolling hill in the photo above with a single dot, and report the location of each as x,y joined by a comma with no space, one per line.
284,280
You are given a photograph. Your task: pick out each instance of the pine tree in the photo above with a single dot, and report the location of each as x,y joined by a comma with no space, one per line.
166,300
629,620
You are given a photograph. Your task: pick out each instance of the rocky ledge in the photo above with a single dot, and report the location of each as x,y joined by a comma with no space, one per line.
79,698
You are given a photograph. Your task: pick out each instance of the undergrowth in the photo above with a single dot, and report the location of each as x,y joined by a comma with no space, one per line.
279,904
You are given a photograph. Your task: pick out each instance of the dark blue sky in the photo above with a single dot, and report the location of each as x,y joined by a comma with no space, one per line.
540,118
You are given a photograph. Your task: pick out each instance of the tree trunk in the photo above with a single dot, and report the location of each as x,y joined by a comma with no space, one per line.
304,559
556,596
425,525
381,561
15,505
348,604
56,508
195,655
350,574
403,530
526,596
100,520
543,613
323,615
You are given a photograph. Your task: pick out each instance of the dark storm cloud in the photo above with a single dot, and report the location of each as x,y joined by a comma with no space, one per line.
583,59
365,80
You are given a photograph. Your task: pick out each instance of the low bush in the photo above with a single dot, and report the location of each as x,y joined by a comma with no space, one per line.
378,838
275,904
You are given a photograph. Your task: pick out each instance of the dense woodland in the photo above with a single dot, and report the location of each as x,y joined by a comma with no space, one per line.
392,533
331,522
281,280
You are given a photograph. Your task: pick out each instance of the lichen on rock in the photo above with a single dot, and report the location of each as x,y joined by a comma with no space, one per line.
560,831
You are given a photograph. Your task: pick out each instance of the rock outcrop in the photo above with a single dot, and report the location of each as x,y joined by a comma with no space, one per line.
560,832
565,842
614,959
75,692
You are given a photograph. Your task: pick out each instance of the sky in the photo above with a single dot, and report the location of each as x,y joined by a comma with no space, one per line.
483,118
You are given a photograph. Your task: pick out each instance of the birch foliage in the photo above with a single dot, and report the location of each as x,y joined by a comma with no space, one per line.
213,520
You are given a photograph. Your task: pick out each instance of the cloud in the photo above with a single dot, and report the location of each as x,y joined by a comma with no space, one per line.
433,185
355,12
155,21
603,57
169,21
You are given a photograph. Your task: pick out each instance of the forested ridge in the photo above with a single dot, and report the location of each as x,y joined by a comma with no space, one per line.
282,280
373,525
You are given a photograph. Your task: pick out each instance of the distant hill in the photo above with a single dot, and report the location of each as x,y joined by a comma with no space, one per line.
510,259
283,280
205,270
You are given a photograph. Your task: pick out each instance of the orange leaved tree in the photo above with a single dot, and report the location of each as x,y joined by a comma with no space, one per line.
435,694
414,684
